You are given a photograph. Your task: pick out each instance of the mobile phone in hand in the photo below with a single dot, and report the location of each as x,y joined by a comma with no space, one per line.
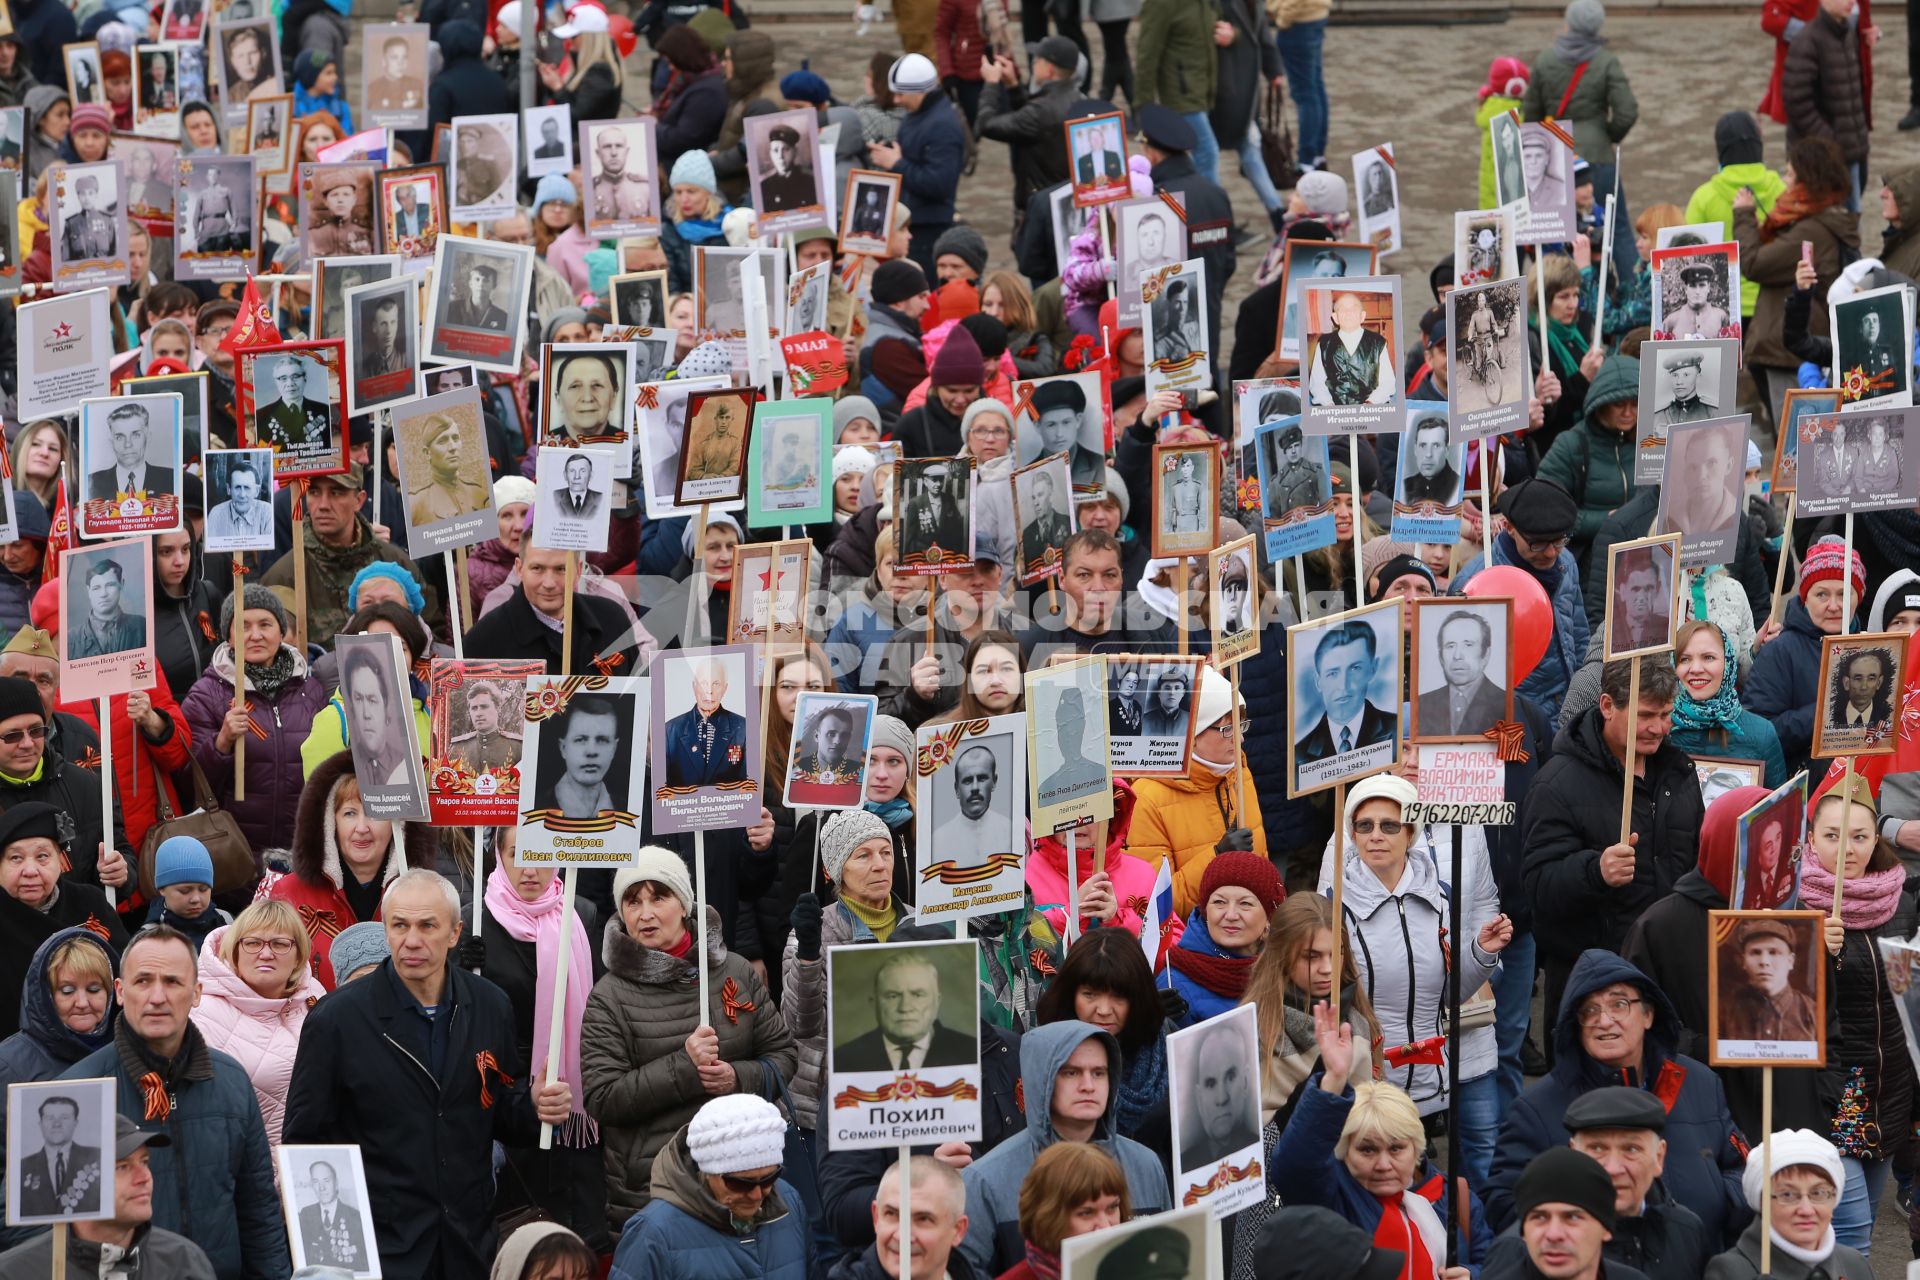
1806,252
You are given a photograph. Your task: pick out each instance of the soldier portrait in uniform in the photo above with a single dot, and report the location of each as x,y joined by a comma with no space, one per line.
714,458
1461,682
1766,988
782,149
1703,495
1186,499
1685,383
1696,293
1766,875
1860,682
328,1208
92,219
480,287
336,206
1043,512
382,328
396,94
239,500
493,716
1293,483
827,760
1872,347
299,409
622,196
640,299
104,594
1429,470
706,743
332,281
1641,616
486,158
866,222
60,1151
443,459
1070,764
1065,415
1232,603
213,214
933,523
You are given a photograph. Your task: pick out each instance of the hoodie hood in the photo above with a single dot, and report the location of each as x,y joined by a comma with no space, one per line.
1596,970
1736,139
1618,379
752,51
41,1024
1904,183
459,38
1900,591
316,850
39,98
1720,837
219,981
676,1179
1043,1055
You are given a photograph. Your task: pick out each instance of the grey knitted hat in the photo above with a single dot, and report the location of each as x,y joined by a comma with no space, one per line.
258,597
844,832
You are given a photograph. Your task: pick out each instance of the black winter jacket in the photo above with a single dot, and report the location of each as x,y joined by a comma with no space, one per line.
600,631
1665,1242
181,630
1872,1048
466,86
1030,125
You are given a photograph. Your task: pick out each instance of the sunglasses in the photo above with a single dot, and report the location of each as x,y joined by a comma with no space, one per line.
37,732
742,1186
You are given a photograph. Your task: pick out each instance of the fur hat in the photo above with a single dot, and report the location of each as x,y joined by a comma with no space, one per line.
841,834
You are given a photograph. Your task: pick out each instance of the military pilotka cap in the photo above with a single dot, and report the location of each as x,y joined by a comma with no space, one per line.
1616,1107
1157,1253
1752,930
1670,363
1539,510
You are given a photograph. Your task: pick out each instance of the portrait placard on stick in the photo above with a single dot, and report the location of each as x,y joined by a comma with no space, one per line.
1174,327
1233,614
1718,775
1067,414
1696,292
477,712
970,826
662,423
1462,667
1643,596
1309,260
575,487
1873,347
442,445
65,348
106,620
1186,499
88,202
1483,246
1149,238
1044,515
1490,381
383,321
547,139
61,1137
866,219
1097,159
789,465
713,456
782,178
479,302
903,1044
412,205
239,500
827,758
299,392
620,167
397,97
640,299
1860,682
1351,357
332,277
1703,488
1296,491
1430,483
1377,186
1344,673
131,457
1856,461
1766,989
381,730
587,741
214,224
1069,769
1213,1078
1150,712
707,759
486,163
1547,158
1766,874
1800,402
933,514
767,606
1185,1241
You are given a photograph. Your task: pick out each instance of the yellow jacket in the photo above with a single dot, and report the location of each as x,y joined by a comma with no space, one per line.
1183,818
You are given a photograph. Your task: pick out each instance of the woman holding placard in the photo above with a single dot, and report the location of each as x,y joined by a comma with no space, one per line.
1784,685
1708,719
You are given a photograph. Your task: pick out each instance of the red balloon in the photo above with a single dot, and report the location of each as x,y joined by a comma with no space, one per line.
1532,613
620,27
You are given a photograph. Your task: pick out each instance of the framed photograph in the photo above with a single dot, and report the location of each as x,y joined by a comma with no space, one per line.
790,466
299,394
1766,989
130,457
1685,381
1174,329
476,710
106,619
1344,672
1430,482
767,607
1377,186
239,500
707,757
479,302
413,212
1720,774
1066,414
1149,240
246,63
1296,488
147,164
1547,159
1307,260
85,83
719,303
548,139
323,1191
1352,356
441,442
194,79
806,309
13,137
90,249
384,738
336,209
1490,378
933,523
214,223
621,171
576,484
1643,596
1483,246
713,457
782,148
1855,461
1703,493
1069,769
1462,668
1097,160
1766,865
903,1022
1860,682
588,395
1872,347
662,410
1186,499
397,97
973,788
486,166
827,760
192,390
64,348
587,741
1696,292
1233,602
1069,220
1213,1082
1509,168
1150,712
1184,1241
866,215
156,90
1043,512
61,1138
382,321
1800,401
640,299
183,20
333,277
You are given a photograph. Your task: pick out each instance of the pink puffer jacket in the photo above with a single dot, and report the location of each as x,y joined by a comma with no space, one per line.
261,1034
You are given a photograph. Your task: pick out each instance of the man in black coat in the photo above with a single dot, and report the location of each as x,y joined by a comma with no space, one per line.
604,639
1586,885
1031,124
1168,140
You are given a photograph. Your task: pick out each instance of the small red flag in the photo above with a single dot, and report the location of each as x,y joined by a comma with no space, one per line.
253,327
59,536
1422,1053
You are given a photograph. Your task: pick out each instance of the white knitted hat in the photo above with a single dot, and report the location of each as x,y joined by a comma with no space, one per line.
663,867
735,1132
1792,1147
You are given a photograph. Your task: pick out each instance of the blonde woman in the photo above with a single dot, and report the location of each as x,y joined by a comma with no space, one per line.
41,456
256,987
1005,297
593,90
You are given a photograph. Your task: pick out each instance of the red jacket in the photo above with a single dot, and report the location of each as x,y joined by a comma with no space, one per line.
1774,17
957,41
134,778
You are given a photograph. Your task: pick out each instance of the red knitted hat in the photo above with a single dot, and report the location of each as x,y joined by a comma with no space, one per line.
1247,871
1827,561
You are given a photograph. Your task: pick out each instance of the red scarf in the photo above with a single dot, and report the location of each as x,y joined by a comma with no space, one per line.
1396,1231
1223,975
1795,203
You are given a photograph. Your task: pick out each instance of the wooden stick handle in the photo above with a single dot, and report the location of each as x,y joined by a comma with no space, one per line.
557,1023
1633,731
240,675
1339,894
1780,570
566,614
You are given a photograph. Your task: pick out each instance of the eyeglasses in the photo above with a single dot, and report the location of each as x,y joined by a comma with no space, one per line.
1543,544
1386,827
742,1186
1225,728
1617,1007
14,737
254,946
992,433
1791,1197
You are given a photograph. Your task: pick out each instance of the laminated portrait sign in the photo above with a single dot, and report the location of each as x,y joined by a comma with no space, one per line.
1489,378
1483,246
574,489
866,217
1766,989
1547,159
61,1137
1509,166
1430,484
970,825
827,759
1213,1082
1696,292
640,299
719,295
1351,356
383,354
1296,487
1174,327
192,390
396,97
1703,488
662,422
588,397
1800,401
1718,775
130,460
239,500
1687,380
1150,712
269,133
1307,260
479,302
1233,608
246,64
933,515
789,466
381,731
214,218
332,277
1766,874
183,20
323,1192
85,83
156,90
1184,1242
1149,236
476,710
1185,499
1344,673
1097,160
767,606
707,758
412,204
903,1044
337,209
806,310
620,168
1901,960
1860,681
1377,186
486,165
87,205
106,620
10,279
444,474
148,166
584,755
1872,347
1043,514
1069,769
299,395
1462,667
787,188
1643,597
1856,461
1066,414
547,139
713,454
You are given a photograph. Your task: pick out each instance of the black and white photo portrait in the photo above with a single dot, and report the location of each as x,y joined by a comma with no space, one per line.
1376,188
1186,499
1509,167
548,140
470,299
1873,347
1696,292
1681,381
1484,246
1642,582
107,600
934,514
90,233
866,223
1461,677
1547,159
396,86
1150,713
782,150
297,414
1214,1081
61,1139
379,710
617,157
131,455
1305,261
382,356
1487,364
978,805
156,90
1293,480
827,760
213,217
1043,510
1344,673
1702,495
575,488
1431,466
1860,682
332,280
1175,315
239,500
329,1215
640,299
1149,236
1232,614
486,160
1063,415
85,83
480,286
587,755
247,62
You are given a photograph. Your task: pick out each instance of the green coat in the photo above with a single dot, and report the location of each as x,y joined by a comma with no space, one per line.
1178,65
1595,465
1712,201
1494,105
330,571
1601,111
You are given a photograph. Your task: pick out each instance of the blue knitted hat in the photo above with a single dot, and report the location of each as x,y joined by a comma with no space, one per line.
182,860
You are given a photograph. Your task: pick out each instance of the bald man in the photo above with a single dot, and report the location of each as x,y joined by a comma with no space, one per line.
707,744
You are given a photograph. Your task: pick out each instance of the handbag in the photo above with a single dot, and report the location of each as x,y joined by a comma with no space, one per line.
1276,142
797,1167
233,864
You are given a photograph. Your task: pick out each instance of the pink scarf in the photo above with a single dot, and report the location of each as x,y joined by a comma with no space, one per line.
1870,900
538,922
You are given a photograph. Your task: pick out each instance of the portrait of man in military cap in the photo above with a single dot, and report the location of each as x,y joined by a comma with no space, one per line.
381,324
452,446
89,229
618,157
1166,1246
1871,342
488,741
484,161
1684,387
1698,307
1768,988
1295,481
468,294
780,154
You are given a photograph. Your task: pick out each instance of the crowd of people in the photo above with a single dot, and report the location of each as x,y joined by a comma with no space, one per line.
1489,1059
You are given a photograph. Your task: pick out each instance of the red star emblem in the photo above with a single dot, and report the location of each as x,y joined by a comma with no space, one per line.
63,330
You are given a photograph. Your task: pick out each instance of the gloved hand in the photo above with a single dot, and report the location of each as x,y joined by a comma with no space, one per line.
806,919
1236,840
472,954
1172,1004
